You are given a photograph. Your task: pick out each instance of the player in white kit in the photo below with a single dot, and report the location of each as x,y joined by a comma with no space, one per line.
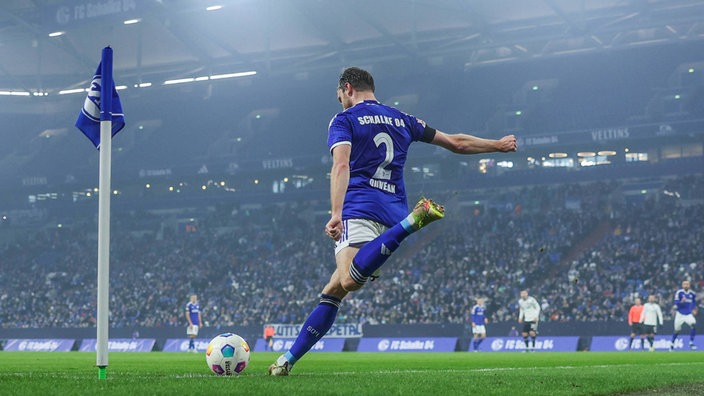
529,315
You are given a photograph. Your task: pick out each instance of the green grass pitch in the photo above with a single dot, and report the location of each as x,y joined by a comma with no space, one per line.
350,373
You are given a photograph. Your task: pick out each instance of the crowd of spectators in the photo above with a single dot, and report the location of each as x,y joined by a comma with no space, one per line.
583,250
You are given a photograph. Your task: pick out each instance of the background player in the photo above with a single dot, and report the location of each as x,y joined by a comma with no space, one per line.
194,322
651,318
479,322
269,333
369,207
634,323
686,305
529,315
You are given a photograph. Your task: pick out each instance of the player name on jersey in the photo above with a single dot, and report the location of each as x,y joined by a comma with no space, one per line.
382,185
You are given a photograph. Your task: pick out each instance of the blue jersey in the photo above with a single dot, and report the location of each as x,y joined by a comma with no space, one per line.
380,137
193,311
687,306
478,315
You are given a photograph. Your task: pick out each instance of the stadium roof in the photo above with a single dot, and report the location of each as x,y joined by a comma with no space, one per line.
526,66
171,39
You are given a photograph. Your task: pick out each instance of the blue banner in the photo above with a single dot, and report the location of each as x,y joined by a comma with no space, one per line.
92,113
39,345
409,344
284,344
181,344
342,330
661,343
120,345
516,344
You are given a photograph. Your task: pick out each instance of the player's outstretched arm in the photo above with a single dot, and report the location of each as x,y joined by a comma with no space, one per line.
467,144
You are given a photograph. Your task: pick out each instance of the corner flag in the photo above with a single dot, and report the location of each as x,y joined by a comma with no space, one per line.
100,119
89,118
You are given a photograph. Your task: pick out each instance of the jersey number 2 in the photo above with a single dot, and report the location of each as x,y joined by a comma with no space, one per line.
381,171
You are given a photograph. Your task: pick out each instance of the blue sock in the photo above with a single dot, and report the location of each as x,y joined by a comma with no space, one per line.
479,342
674,337
315,327
191,343
692,333
374,253
475,344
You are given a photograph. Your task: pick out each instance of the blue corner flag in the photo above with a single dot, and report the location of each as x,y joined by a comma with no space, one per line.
89,118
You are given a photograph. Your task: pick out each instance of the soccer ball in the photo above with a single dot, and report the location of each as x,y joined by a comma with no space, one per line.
227,354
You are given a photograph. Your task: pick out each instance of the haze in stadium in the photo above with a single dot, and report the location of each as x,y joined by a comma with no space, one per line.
221,189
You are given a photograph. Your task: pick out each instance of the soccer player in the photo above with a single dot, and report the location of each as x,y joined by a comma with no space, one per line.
529,315
686,305
269,333
369,219
650,317
479,321
194,321
634,323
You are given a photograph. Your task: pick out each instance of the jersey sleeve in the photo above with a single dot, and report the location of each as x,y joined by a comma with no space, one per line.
420,131
339,131
678,298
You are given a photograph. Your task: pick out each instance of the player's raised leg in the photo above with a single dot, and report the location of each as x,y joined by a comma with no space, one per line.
375,253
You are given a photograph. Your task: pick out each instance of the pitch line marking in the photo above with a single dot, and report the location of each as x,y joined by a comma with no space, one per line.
493,369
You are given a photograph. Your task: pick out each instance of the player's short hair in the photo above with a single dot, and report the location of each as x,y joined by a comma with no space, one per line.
359,79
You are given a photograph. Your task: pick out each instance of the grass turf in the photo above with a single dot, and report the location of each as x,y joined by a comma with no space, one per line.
347,373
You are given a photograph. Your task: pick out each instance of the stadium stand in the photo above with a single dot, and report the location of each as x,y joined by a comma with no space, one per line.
584,250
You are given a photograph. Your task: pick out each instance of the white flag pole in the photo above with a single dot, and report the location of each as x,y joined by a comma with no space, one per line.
104,190
104,247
